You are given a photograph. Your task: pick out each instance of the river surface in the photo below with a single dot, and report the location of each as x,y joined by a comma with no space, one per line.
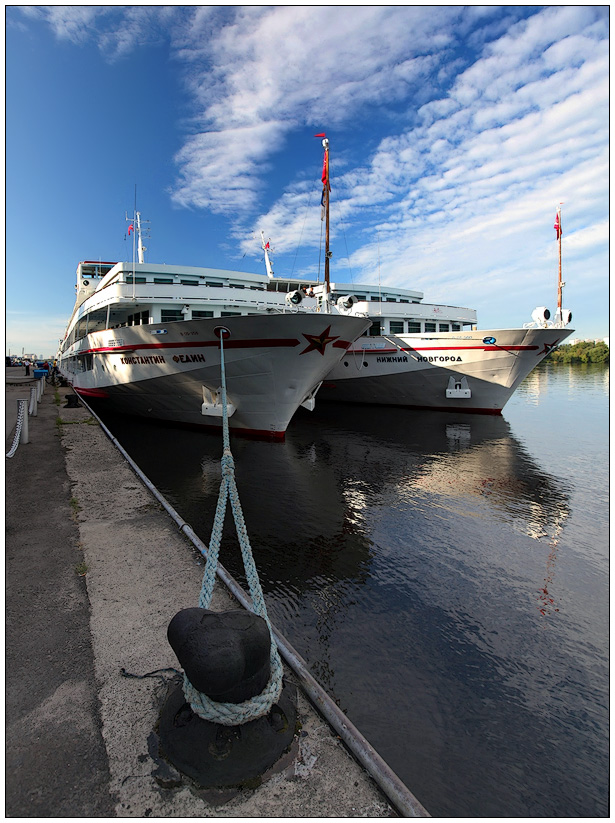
445,577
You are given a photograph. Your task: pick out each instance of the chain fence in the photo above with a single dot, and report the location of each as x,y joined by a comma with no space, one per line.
22,418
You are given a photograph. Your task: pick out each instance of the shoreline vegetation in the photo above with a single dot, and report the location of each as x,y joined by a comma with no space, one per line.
586,351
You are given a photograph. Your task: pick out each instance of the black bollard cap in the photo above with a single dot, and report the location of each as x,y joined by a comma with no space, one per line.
225,655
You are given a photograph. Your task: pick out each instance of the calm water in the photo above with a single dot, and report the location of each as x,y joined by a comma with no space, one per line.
445,577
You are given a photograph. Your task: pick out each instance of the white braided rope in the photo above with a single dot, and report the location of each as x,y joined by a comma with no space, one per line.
234,714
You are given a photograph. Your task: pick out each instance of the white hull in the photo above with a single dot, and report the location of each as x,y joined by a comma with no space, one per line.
453,371
272,364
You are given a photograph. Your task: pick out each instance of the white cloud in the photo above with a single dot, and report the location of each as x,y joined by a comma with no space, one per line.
469,161
491,120
283,68
74,23
116,29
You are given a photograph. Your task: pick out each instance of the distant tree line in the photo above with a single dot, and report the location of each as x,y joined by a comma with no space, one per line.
586,351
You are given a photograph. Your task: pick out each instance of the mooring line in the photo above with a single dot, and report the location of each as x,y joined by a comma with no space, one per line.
391,785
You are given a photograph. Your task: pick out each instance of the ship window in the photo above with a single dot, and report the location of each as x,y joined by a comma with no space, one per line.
137,279
374,329
236,286
81,328
81,363
361,297
391,300
169,315
199,315
189,282
145,317
396,326
403,300
230,314
444,327
456,327
218,285
413,326
97,320
163,280
430,326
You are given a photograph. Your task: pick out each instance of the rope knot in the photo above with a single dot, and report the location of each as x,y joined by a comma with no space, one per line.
227,464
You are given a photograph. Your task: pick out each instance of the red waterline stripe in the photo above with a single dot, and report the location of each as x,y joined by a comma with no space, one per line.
464,409
91,392
255,434
258,434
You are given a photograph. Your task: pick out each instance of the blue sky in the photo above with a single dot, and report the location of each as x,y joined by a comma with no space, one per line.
455,132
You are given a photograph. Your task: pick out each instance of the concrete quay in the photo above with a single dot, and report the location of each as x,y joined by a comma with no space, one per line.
95,570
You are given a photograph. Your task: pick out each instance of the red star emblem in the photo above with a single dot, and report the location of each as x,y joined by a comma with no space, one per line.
318,342
547,348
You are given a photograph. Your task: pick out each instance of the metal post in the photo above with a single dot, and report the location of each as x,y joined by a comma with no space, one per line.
41,387
33,401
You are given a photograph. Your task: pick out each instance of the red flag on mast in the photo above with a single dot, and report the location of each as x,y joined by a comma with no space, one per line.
558,226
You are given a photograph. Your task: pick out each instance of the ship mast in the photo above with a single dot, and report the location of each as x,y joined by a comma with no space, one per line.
137,237
326,188
140,247
137,241
266,248
560,285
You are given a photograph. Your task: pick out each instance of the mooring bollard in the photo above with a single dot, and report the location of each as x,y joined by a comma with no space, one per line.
72,401
233,716
40,383
226,657
33,410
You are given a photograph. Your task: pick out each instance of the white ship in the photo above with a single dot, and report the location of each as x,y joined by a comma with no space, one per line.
145,339
421,355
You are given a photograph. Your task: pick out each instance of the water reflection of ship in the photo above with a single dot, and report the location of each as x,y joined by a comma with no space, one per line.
294,511
439,453
473,466
306,503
